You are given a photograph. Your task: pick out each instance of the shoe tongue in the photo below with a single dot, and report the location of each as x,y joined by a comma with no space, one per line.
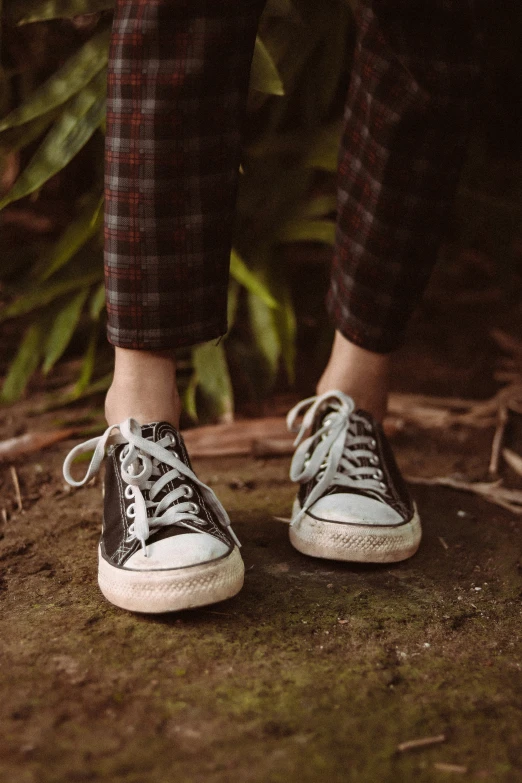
157,430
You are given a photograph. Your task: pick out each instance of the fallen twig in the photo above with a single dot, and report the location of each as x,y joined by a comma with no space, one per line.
424,742
443,767
16,483
30,442
507,342
273,447
498,439
513,459
266,437
236,438
492,491
427,412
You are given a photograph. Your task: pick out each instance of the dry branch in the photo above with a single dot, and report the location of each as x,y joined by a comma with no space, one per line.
514,460
492,491
460,769
16,484
30,442
423,742
269,437
498,439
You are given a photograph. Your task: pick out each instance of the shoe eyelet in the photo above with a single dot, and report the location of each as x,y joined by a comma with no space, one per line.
375,460
194,509
373,443
130,511
382,485
123,453
378,474
189,492
129,492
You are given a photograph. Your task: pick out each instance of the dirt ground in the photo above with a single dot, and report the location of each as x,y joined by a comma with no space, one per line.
317,670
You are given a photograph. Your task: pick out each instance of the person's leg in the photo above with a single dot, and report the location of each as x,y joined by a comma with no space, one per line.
177,87
408,114
361,374
410,103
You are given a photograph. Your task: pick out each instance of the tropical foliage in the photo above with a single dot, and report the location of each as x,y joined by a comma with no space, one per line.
286,196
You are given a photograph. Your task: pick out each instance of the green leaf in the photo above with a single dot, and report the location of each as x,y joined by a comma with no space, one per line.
62,329
77,233
324,153
285,322
265,333
97,302
68,80
274,330
213,378
44,294
57,401
309,231
68,135
189,398
264,76
20,136
87,367
233,296
319,206
248,279
24,364
27,11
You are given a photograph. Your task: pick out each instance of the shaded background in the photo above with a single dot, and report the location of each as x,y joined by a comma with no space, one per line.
52,300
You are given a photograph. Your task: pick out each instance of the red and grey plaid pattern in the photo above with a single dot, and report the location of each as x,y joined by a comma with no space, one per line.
177,87
414,81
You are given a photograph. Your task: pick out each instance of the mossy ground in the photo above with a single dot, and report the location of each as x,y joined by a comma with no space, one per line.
315,672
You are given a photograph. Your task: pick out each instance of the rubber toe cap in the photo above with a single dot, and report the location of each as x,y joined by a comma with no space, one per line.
178,552
354,509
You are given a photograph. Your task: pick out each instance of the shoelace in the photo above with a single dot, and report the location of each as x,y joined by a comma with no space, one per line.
333,453
140,471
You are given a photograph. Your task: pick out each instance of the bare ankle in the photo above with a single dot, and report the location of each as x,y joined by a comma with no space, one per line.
144,388
363,375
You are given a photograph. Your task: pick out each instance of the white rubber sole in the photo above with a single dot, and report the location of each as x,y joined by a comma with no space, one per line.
171,591
355,543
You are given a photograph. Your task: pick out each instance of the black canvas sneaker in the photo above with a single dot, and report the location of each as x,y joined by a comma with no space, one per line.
353,503
166,541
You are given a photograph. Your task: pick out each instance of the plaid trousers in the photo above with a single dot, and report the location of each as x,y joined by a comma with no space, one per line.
177,89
